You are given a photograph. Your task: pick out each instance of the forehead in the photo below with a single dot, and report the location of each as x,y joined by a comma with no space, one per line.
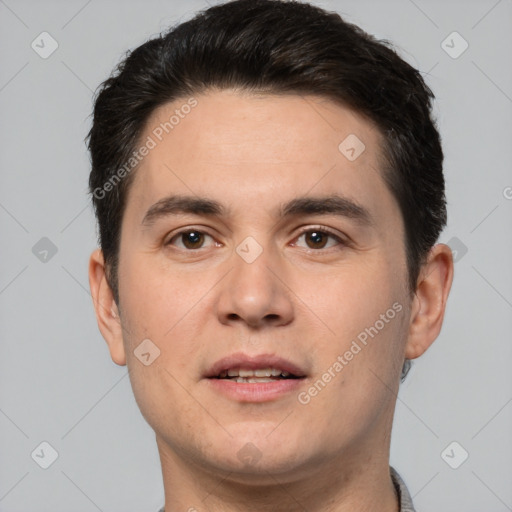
238,146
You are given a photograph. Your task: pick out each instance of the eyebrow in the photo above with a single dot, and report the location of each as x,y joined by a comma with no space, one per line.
173,205
320,205
324,205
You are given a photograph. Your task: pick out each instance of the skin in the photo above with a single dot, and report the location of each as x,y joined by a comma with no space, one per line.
302,299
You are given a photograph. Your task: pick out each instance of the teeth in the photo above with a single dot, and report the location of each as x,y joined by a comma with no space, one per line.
260,373
267,372
253,380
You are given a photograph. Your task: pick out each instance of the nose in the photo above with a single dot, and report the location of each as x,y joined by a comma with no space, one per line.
254,293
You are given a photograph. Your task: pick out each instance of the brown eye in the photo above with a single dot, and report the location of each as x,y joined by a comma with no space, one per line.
191,239
316,239
319,239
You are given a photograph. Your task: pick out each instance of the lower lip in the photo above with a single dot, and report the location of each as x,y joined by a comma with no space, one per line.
255,392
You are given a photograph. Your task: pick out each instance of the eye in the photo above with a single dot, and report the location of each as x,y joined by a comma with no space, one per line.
318,238
189,239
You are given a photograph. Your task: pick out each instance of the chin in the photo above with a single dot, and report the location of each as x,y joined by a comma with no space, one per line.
249,457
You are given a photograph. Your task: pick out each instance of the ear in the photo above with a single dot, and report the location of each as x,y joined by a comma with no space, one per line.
429,302
107,313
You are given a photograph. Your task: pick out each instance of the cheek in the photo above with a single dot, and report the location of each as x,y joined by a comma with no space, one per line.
160,392
156,307
350,299
155,298
357,367
363,311
162,306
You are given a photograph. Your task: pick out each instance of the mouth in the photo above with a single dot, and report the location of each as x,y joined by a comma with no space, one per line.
255,376
260,378
242,368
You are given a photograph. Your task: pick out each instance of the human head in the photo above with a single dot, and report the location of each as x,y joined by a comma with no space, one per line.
280,48
251,148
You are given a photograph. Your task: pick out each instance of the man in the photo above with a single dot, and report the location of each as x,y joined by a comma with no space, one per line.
269,191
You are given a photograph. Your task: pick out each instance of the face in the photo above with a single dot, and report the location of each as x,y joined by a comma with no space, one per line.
254,244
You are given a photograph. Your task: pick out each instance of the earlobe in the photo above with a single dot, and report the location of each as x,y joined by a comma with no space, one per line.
107,313
429,303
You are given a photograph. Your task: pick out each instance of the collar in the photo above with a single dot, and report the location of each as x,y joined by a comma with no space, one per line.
404,497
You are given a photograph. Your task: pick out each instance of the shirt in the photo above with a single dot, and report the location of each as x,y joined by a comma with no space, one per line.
404,497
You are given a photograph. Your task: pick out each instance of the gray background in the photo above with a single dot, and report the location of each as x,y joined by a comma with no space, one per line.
57,381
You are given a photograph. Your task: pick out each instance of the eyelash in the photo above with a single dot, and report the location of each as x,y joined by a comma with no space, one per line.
316,229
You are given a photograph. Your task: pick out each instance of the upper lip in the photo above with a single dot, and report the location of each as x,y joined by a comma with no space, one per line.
247,362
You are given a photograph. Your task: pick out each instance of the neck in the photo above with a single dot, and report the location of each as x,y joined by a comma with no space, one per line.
338,485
